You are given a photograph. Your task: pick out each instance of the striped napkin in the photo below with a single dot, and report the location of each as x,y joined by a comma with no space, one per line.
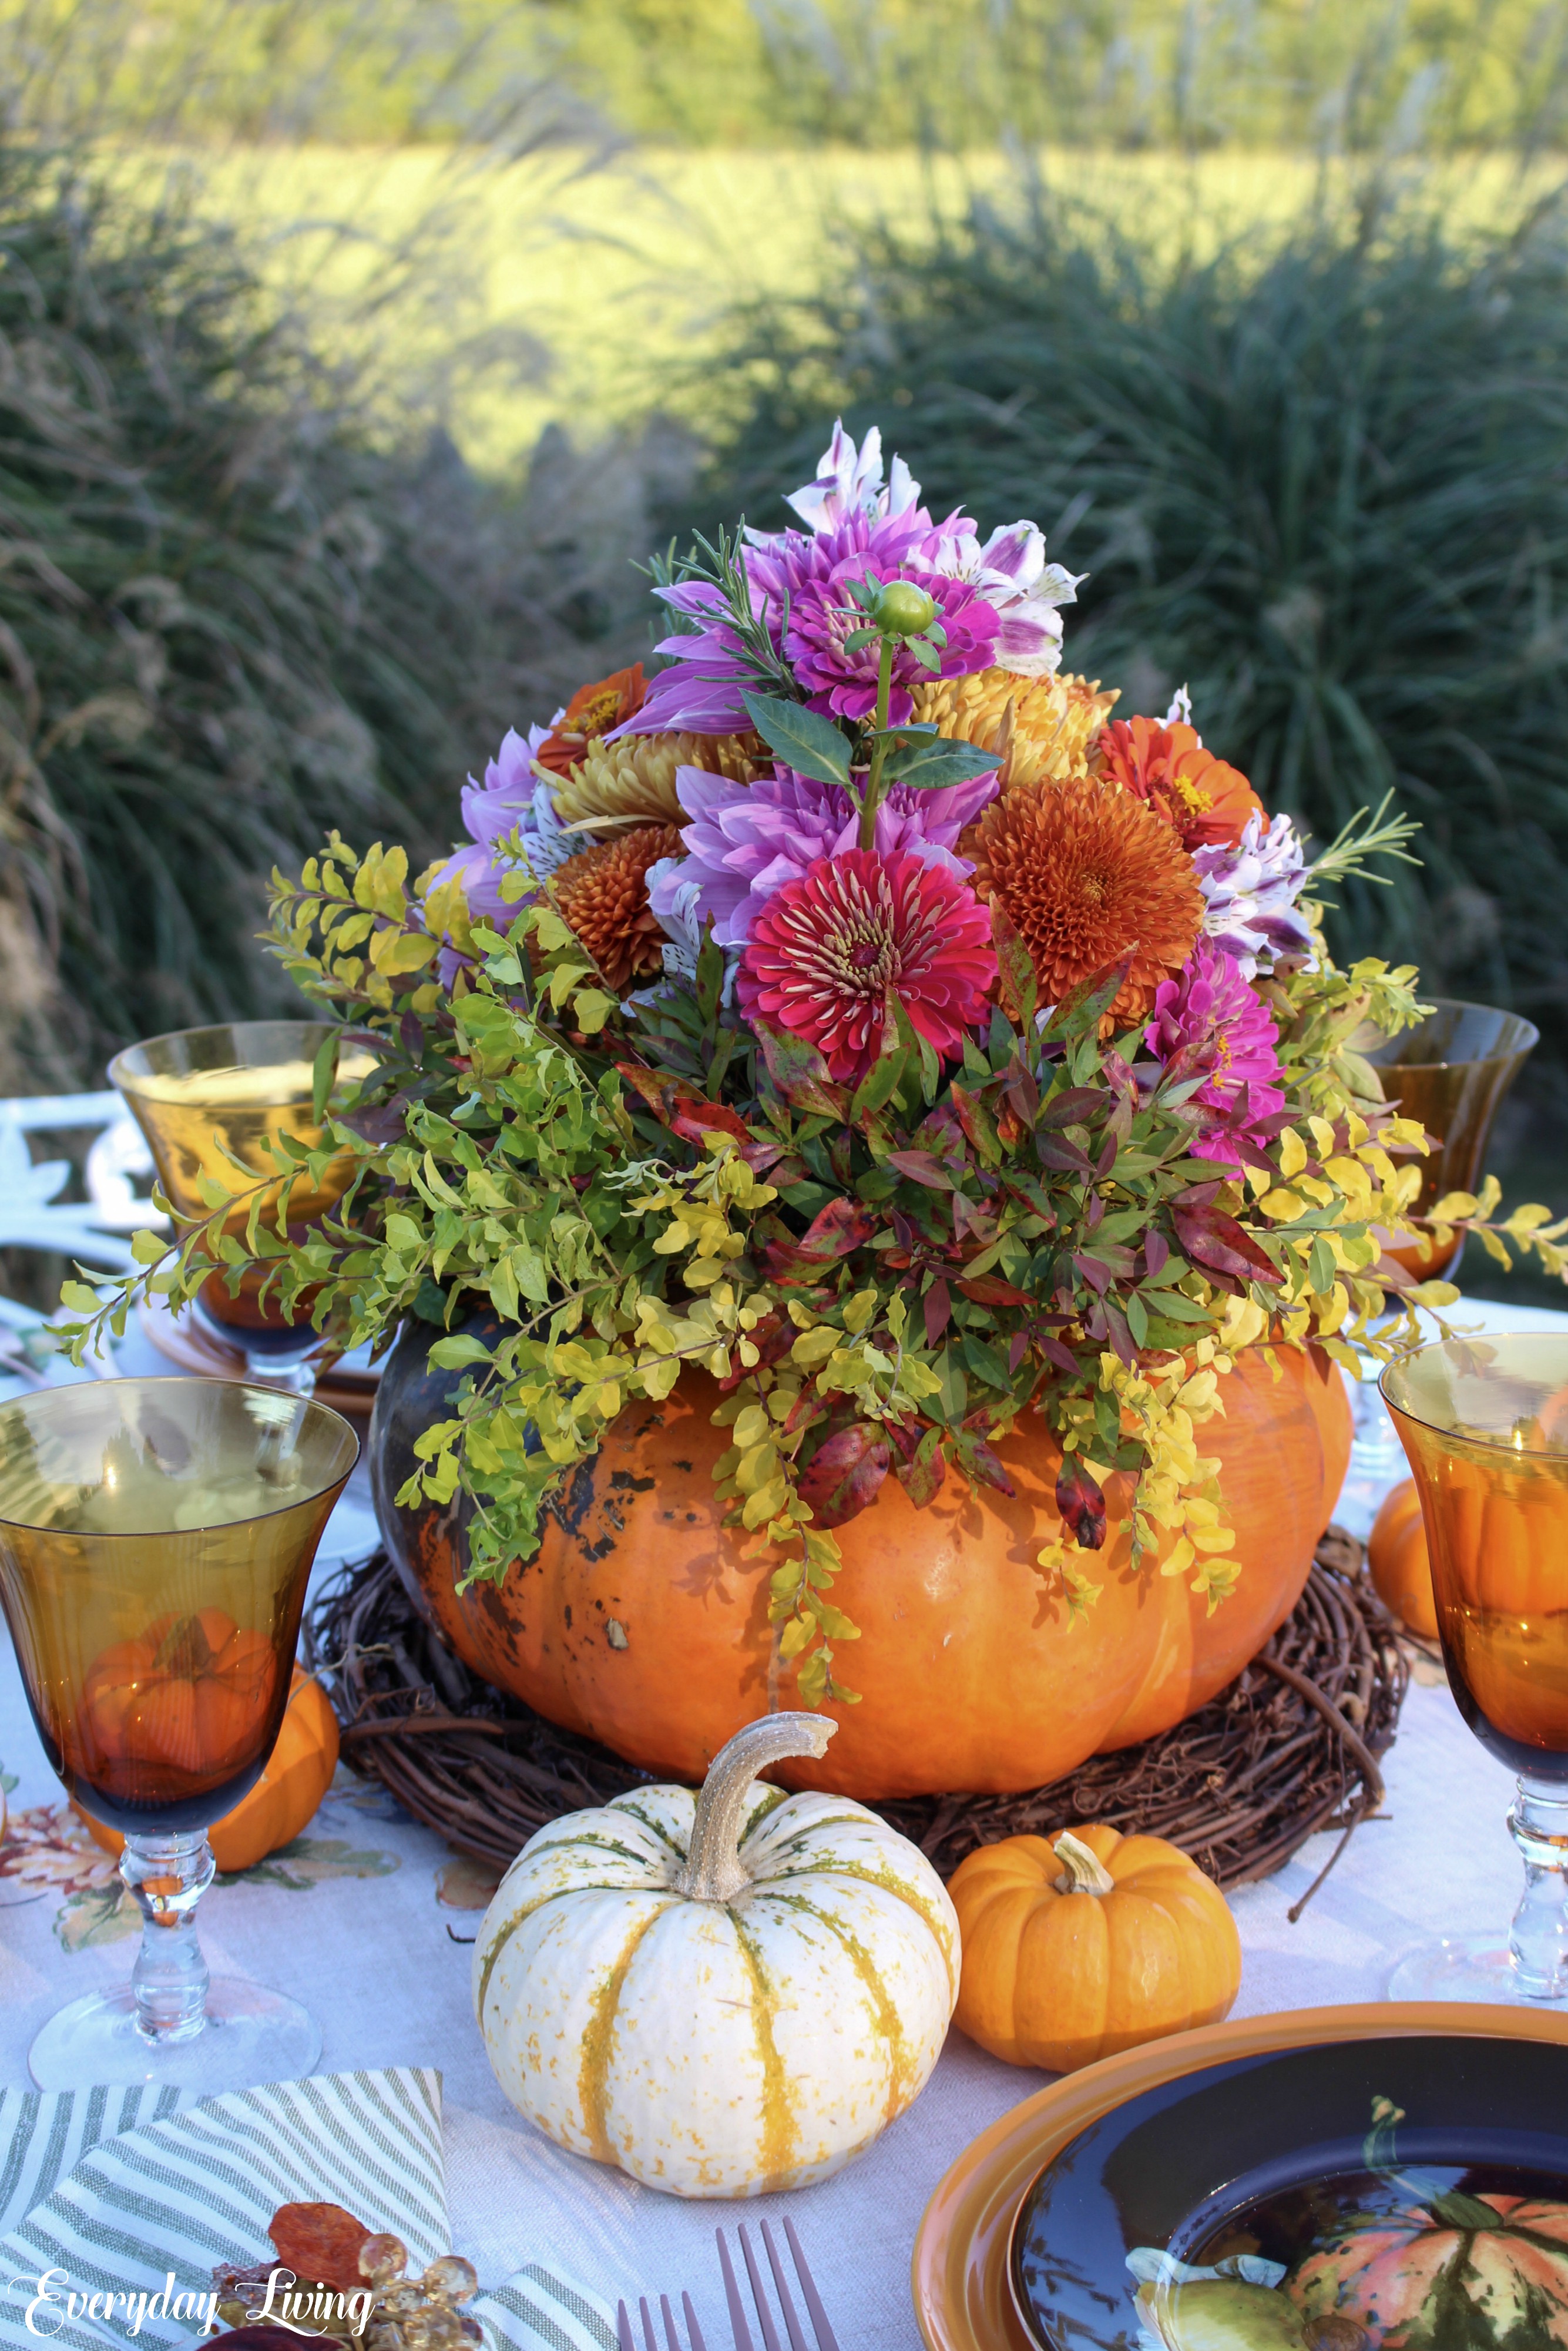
139,2193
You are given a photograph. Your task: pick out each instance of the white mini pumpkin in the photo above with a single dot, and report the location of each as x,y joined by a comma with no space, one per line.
721,1993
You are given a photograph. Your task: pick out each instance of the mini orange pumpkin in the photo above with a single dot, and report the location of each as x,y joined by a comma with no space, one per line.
285,1798
1075,1950
1396,1554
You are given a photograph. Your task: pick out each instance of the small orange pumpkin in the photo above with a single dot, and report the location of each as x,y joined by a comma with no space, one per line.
297,1775
1075,1950
1396,1554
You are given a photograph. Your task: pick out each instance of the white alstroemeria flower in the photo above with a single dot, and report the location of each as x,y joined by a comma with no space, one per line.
1250,888
850,482
676,907
1010,572
1180,712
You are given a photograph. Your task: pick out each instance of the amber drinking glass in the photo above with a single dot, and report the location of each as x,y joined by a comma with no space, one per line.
155,1539
207,1097
1452,1071
1485,1425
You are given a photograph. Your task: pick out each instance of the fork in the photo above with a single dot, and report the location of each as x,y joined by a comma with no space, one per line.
826,2339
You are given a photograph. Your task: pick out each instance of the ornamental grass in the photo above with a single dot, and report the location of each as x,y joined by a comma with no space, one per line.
1321,483
232,612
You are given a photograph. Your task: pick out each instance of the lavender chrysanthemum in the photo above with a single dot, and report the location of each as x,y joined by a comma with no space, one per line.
511,799
1251,890
746,840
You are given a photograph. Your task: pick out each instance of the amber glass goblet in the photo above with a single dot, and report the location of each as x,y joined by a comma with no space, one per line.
1452,1071
207,1097
156,1538
1485,1425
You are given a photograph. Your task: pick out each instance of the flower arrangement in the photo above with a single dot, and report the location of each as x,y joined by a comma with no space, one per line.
859,1010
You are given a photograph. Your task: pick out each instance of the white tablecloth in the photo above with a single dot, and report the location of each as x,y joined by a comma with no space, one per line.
363,1922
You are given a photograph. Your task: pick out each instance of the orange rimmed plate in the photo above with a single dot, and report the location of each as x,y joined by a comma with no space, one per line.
960,2270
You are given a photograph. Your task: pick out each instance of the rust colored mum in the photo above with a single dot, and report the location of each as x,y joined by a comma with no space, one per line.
603,894
592,711
1087,875
1169,770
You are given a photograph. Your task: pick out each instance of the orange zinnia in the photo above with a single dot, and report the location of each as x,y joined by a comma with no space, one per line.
1088,875
1169,769
590,713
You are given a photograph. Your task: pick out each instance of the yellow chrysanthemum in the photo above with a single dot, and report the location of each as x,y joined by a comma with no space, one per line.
1055,722
633,782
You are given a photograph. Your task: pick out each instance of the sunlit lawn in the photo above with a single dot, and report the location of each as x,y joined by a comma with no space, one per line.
556,288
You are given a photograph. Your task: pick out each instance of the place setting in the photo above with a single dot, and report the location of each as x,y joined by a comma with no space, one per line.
959,1594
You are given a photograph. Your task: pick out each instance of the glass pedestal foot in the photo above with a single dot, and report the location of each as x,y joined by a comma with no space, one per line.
1468,1967
247,2036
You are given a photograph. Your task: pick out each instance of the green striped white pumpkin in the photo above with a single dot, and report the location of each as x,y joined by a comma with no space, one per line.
721,1993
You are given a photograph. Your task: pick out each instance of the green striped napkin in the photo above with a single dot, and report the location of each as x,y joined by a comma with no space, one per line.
138,2194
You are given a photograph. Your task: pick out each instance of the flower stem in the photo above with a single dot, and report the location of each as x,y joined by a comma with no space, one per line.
879,751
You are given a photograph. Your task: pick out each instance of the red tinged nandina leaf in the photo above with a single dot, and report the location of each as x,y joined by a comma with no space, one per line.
937,1304
1082,1502
921,1167
979,1126
688,1114
843,1476
990,1290
1018,985
321,2243
1212,1239
800,1073
923,1467
834,1232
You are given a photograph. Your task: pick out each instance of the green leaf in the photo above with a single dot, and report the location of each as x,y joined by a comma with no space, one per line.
1321,1270
321,1074
462,1347
592,1008
928,766
803,738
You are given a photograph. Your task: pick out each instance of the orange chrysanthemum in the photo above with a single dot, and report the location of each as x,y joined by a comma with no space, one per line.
603,894
1169,769
1087,876
592,711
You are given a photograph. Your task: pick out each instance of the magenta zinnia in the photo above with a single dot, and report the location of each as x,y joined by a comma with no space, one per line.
831,949
1209,1020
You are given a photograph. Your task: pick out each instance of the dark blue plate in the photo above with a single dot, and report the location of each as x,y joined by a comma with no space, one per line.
1266,2204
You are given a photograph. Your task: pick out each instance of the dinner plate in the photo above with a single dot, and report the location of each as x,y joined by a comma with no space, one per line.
347,1383
961,2268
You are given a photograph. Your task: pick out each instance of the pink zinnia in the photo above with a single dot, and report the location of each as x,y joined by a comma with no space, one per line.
1219,1024
831,948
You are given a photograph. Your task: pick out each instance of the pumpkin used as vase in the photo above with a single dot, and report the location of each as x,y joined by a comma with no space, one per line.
640,1621
722,1993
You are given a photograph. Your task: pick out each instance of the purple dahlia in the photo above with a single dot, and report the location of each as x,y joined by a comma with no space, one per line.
746,840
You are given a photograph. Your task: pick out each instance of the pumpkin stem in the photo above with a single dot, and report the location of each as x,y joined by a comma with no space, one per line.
713,1870
1084,1872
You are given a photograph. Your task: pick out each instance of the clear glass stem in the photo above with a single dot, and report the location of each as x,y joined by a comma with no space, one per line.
168,1877
1539,1938
293,1378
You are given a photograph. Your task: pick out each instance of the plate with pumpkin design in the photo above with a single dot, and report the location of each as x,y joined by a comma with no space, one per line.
1368,2179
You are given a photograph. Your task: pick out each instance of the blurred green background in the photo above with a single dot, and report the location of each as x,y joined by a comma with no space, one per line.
350,355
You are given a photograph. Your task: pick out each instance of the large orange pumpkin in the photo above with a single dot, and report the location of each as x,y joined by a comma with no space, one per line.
297,1775
1396,1555
639,1622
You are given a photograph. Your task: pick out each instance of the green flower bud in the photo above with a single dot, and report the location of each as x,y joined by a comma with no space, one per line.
900,609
